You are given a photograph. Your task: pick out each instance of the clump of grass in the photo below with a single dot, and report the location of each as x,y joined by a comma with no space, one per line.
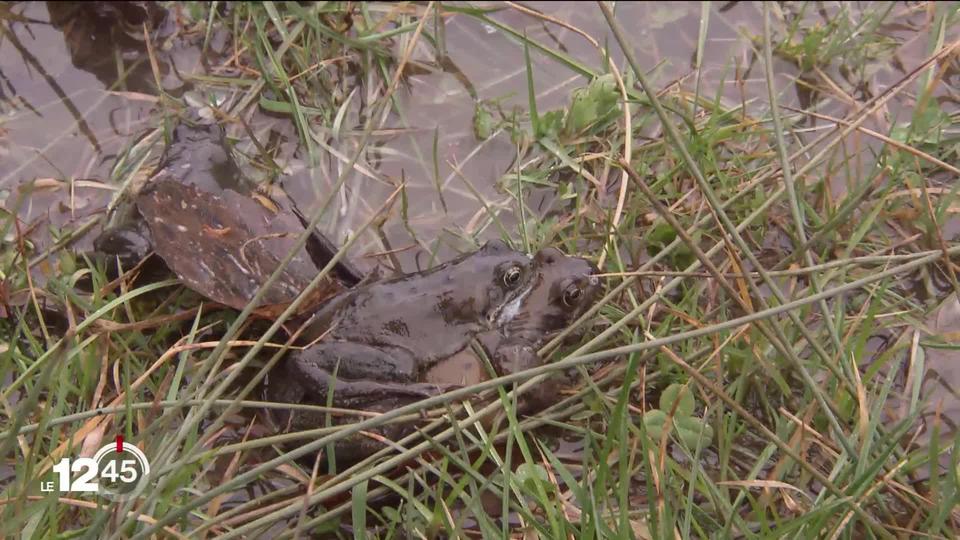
751,262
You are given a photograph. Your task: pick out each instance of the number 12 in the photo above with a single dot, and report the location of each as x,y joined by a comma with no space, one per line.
83,483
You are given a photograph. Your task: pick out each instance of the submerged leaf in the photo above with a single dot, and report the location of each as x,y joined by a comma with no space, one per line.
483,123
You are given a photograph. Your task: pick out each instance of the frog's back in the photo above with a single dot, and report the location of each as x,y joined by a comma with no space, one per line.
435,313
420,315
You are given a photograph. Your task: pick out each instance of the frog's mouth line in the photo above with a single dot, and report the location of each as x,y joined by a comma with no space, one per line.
509,309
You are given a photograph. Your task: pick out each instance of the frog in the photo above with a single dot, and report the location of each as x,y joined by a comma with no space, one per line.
221,234
197,156
377,339
563,289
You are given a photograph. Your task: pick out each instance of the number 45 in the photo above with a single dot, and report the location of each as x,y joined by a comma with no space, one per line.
127,474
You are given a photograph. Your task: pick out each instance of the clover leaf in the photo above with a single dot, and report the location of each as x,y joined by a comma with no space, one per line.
687,427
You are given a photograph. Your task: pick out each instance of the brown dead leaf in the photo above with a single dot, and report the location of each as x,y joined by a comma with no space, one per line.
93,441
136,96
43,183
266,203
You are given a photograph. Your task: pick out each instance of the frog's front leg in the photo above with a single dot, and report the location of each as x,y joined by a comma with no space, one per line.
363,373
512,356
130,243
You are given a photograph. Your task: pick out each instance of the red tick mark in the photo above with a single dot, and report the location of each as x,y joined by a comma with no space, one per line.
119,443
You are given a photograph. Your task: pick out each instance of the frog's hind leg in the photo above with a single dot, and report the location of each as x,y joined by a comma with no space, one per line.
363,373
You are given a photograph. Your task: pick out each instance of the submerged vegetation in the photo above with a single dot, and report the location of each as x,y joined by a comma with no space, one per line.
776,277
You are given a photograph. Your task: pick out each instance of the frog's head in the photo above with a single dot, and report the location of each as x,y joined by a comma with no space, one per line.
485,284
563,288
513,275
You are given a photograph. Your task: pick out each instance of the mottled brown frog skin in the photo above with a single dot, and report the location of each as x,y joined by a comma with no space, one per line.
197,155
199,192
382,336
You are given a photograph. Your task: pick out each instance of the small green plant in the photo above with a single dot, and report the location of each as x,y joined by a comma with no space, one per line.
591,109
660,236
483,122
677,404
592,106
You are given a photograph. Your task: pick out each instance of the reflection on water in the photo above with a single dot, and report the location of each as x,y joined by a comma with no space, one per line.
62,124
69,114
96,33
482,61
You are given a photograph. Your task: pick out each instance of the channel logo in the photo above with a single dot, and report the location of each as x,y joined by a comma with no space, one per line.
117,471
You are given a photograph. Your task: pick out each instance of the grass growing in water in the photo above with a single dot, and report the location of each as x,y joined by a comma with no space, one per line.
755,258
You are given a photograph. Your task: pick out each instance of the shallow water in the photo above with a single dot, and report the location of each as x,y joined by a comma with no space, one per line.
69,123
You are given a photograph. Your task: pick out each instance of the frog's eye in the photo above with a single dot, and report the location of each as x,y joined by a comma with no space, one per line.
572,295
512,276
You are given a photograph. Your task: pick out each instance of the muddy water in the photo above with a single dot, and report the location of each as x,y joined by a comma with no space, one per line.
66,117
665,38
